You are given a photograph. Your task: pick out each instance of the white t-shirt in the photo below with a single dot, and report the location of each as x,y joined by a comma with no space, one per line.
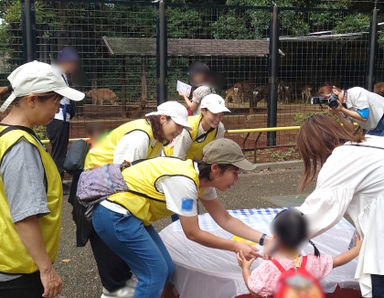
183,141
360,98
133,146
352,181
198,95
63,101
181,195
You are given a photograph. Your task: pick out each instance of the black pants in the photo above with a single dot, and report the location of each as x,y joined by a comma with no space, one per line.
26,286
58,134
113,271
377,286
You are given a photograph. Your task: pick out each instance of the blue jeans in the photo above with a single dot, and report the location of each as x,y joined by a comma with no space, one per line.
379,130
139,246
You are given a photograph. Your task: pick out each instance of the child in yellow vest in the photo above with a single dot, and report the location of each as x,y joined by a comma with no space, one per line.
160,187
205,128
30,184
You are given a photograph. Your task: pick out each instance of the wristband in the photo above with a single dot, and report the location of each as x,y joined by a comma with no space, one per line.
261,241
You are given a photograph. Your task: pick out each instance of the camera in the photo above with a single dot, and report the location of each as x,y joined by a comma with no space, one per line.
331,101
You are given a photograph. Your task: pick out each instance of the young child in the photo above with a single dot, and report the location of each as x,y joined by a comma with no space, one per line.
95,132
290,231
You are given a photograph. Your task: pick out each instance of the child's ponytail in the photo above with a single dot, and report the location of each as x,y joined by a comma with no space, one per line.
316,251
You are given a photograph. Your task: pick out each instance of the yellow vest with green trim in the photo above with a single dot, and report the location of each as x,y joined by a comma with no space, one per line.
14,258
195,151
144,201
103,152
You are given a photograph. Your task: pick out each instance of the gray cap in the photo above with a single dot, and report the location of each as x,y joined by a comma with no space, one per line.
226,151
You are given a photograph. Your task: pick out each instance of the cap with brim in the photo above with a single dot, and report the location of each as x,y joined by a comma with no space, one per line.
216,109
35,78
70,93
175,110
226,151
214,103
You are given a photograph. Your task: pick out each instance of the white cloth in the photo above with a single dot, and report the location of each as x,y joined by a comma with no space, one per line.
352,181
207,272
183,141
198,95
63,101
360,98
133,146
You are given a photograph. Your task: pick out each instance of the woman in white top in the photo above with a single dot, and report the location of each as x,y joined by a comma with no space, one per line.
351,180
359,105
206,128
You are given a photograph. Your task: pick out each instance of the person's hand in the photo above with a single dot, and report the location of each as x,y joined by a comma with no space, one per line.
339,107
358,241
52,282
243,262
247,250
182,94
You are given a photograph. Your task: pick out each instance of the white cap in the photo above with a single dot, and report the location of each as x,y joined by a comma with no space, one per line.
175,110
214,103
38,77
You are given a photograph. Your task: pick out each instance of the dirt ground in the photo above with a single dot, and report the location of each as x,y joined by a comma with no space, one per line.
268,188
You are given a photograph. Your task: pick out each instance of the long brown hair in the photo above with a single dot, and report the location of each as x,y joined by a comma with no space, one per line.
154,120
317,138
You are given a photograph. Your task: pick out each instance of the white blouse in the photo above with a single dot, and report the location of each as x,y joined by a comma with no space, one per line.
352,181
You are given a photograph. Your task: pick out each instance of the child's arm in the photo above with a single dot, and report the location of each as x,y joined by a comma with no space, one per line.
190,104
245,266
349,255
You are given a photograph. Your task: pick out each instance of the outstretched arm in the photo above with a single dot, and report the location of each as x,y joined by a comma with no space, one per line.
193,232
246,270
349,255
229,223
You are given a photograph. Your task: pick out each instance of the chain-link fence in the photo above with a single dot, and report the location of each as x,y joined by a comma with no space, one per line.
118,42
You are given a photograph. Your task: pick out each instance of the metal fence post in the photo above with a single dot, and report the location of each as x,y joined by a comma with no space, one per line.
272,78
162,54
29,29
372,49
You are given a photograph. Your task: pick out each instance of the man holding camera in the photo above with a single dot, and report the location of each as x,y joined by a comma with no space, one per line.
356,104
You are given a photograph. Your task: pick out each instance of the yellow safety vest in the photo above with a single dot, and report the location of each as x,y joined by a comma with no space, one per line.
143,200
195,151
103,152
14,258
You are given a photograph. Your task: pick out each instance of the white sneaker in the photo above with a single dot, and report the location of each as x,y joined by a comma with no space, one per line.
132,282
126,292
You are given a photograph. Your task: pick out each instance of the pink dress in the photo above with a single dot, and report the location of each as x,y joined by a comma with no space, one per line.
263,279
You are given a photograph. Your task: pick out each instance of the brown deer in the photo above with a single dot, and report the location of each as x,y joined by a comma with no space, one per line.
306,93
284,92
232,95
101,95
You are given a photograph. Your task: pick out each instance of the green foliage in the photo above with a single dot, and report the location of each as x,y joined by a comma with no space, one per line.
353,23
41,132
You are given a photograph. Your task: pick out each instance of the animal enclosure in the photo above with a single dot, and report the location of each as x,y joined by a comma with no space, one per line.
118,42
